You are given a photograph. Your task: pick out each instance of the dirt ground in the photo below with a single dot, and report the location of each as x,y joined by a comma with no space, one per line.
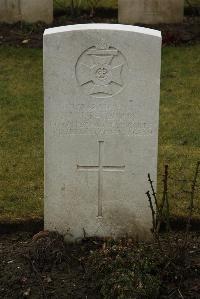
51,271
30,36
43,266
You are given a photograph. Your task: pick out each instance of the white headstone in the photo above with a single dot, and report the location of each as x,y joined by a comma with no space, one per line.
150,11
30,11
102,86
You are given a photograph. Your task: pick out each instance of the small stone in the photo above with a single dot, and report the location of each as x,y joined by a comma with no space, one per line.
25,41
49,279
27,292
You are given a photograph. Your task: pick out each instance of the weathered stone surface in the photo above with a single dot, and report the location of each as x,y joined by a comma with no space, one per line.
101,85
150,11
30,11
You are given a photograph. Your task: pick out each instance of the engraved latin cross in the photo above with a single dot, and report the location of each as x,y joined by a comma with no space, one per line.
100,168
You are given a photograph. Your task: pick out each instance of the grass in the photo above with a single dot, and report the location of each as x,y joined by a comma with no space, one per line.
21,126
106,3
84,3
179,141
192,2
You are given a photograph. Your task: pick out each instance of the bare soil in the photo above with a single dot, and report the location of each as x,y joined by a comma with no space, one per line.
30,36
43,266
47,269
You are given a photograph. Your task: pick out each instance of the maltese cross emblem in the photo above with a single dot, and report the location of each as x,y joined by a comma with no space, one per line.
99,71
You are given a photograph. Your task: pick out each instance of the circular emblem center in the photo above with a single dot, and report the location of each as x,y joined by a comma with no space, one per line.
101,71
102,75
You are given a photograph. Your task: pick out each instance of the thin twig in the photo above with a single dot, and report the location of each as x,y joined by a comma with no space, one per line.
165,201
191,207
37,274
153,191
152,210
180,294
166,197
155,215
163,197
40,279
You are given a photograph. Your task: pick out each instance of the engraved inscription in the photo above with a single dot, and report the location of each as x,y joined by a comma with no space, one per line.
100,71
107,123
101,168
100,119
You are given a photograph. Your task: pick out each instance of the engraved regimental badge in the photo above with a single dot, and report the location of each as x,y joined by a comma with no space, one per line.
101,71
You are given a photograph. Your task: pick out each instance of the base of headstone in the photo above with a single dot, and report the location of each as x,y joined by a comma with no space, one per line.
12,11
150,11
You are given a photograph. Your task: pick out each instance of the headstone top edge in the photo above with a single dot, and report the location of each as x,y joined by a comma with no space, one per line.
97,26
